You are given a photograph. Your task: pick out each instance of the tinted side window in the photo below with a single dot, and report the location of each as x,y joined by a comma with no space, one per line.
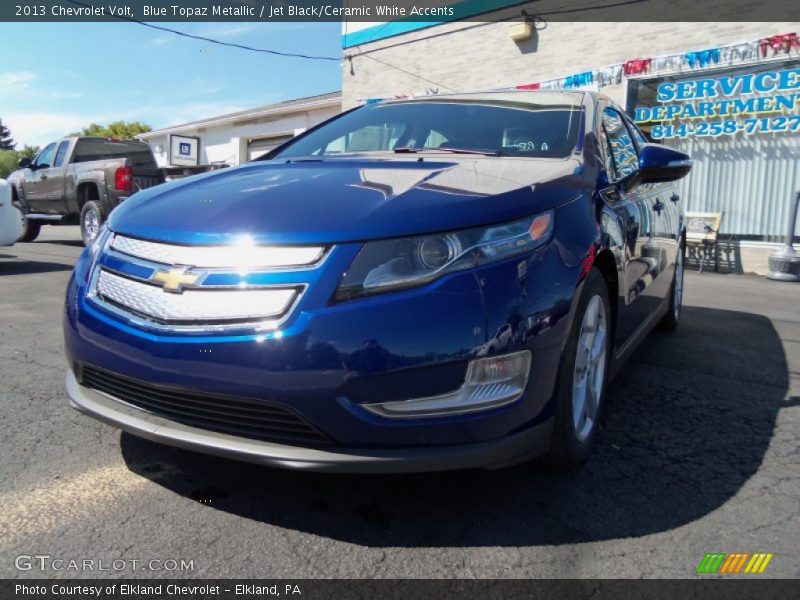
88,149
626,161
61,153
608,159
45,158
637,134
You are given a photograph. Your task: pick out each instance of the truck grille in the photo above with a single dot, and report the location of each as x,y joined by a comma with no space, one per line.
234,416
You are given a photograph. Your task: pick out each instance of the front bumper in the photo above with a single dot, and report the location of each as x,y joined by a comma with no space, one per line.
502,452
329,360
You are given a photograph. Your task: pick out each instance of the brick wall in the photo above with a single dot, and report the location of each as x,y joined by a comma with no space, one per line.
467,56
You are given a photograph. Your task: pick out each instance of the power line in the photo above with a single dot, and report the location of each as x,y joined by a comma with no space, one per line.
383,62
213,41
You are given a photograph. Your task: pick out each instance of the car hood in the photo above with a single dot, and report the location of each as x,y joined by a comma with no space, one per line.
16,176
340,200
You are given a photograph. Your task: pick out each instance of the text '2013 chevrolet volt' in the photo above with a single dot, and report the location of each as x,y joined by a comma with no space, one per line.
415,285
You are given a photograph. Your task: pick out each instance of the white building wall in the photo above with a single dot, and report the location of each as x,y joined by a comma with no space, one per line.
466,56
228,142
160,147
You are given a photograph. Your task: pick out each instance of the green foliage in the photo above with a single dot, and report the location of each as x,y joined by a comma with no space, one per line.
8,162
28,152
9,159
123,130
6,142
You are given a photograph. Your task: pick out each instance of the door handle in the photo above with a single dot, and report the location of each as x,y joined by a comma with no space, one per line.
659,205
674,197
42,176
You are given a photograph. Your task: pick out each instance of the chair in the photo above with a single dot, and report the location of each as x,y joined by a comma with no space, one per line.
702,234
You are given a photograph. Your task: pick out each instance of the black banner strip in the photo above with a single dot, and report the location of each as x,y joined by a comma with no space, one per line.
704,587
432,11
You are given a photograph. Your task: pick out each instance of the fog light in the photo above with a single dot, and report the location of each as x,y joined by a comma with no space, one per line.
489,383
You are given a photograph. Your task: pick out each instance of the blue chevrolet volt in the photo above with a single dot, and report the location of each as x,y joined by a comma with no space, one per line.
417,285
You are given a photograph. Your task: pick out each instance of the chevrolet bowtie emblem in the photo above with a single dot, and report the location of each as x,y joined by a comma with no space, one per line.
174,279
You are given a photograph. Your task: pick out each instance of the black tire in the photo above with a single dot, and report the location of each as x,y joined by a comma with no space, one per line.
30,230
673,316
568,448
88,231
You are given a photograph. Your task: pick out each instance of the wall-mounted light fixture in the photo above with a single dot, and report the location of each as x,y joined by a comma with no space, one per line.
519,32
527,27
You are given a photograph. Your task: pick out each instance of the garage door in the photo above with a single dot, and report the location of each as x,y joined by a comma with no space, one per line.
261,146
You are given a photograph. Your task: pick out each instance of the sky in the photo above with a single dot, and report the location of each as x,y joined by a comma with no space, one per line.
56,78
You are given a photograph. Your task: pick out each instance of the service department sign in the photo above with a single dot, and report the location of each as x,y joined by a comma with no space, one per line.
184,150
765,102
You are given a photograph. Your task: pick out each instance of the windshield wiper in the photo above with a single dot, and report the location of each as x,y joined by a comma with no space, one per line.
447,150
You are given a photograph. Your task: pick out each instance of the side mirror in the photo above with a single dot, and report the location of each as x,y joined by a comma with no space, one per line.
24,163
659,164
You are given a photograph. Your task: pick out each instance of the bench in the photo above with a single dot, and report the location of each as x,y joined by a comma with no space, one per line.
702,234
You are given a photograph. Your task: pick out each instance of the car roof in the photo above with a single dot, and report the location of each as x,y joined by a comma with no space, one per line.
536,97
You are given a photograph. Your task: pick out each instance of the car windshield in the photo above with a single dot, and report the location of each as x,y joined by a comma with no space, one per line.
504,128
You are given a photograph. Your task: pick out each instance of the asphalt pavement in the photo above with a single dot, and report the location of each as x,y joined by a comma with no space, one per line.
699,453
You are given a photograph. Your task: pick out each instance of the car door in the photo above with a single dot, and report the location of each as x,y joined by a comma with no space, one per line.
36,176
666,226
52,184
631,212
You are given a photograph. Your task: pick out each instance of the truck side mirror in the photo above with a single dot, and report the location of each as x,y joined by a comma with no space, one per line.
24,163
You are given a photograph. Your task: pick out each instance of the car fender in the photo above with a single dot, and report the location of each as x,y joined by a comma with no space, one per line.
96,177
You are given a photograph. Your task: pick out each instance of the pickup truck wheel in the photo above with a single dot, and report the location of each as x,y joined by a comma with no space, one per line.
30,230
583,374
93,215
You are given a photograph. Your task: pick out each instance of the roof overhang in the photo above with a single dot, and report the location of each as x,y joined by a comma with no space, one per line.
247,115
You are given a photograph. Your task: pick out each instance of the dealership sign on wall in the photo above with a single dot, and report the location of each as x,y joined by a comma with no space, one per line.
765,102
184,150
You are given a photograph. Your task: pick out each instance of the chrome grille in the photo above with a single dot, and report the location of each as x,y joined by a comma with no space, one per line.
200,288
193,306
244,255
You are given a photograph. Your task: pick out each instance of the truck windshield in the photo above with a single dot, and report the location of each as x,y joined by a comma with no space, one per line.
102,149
504,128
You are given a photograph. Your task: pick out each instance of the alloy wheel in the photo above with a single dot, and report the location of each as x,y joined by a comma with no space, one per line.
91,225
590,368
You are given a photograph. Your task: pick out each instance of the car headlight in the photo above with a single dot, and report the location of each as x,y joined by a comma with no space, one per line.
99,240
400,263
92,251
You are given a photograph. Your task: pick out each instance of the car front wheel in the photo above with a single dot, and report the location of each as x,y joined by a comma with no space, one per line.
92,218
583,375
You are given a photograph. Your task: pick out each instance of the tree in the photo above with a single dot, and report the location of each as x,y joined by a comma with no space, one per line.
6,143
124,130
9,159
8,163
28,152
